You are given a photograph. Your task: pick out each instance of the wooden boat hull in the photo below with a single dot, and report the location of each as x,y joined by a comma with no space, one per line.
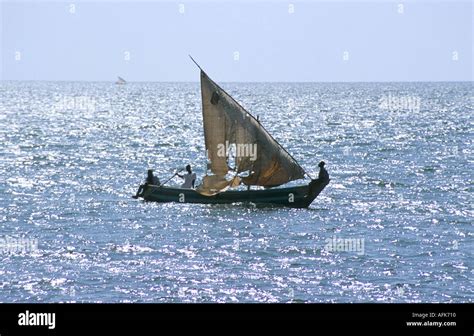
295,197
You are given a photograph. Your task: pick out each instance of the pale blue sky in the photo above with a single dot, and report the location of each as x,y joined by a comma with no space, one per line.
382,44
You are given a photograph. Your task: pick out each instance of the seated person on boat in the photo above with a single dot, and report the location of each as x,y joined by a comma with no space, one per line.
323,173
150,179
189,178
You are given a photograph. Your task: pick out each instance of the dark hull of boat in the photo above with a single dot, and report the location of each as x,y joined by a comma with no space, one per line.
295,197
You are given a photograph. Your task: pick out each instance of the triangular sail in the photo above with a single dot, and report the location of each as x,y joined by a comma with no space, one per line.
120,80
258,159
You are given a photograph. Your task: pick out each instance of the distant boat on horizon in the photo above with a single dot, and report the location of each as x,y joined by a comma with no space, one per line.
120,81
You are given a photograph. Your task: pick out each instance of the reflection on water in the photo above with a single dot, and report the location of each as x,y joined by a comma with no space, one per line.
72,154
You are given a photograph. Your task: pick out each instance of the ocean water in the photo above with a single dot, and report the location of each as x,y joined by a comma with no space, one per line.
400,156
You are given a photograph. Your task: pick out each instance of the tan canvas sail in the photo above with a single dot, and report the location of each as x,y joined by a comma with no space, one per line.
258,158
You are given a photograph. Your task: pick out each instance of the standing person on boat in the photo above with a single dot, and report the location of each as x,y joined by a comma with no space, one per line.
323,173
189,178
150,179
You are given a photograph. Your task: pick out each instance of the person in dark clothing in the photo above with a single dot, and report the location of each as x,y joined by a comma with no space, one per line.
150,179
323,173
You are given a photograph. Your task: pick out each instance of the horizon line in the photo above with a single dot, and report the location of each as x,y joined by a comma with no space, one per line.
239,82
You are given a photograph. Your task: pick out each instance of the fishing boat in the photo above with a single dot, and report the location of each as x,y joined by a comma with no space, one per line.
120,81
240,152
